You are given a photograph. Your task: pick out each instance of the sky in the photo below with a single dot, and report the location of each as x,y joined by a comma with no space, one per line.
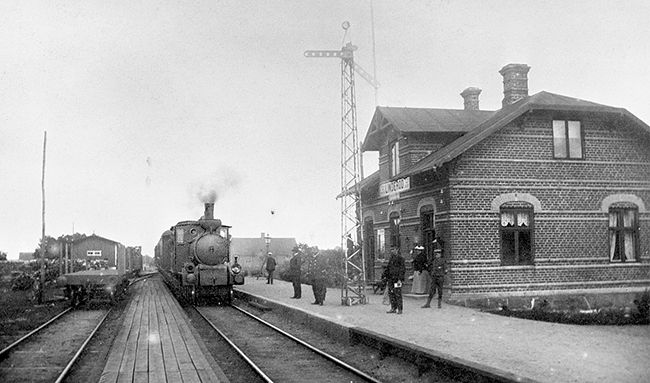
150,106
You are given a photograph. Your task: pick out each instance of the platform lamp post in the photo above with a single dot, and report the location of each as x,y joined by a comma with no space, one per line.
267,240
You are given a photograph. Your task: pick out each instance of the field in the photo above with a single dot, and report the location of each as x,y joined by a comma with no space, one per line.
20,312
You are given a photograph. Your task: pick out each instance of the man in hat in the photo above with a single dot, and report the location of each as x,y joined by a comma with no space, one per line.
437,271
270,268
395,277
295,265
317,276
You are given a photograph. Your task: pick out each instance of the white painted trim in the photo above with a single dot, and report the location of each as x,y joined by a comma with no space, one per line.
516,197
615,198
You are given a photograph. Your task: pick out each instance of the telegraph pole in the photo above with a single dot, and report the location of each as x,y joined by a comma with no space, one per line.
42,250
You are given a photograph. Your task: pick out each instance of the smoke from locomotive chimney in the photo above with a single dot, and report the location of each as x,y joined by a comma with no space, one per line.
209,211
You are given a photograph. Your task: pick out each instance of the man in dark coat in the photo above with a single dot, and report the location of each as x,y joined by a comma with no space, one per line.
437,271
317,277
270,268
295,264
395,272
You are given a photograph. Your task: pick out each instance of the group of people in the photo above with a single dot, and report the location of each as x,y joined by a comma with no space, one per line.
316,273
394,275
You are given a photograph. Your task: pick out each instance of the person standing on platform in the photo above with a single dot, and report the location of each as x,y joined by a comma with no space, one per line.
395,277
270,268
437,272
317,276
295,265
420,273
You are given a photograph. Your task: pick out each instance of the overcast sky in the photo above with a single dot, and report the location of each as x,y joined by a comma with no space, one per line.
148,105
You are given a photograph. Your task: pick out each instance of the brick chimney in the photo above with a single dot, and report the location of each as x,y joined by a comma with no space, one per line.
515,83
470,95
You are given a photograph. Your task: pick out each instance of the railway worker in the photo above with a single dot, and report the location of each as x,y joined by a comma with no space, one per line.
295,265
394,278
270,268
437,271
317,276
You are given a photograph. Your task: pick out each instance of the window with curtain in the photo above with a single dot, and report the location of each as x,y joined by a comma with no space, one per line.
567,139
623,234
516,236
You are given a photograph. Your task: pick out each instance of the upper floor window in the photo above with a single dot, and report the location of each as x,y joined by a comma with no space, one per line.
516,236
394,159
567,139
623,234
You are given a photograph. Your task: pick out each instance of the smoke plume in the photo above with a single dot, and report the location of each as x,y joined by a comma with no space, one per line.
216,185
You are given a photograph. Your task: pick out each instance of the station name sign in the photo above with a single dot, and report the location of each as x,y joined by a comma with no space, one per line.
394,187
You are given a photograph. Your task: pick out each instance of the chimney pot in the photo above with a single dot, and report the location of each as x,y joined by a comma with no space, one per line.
470,95
515,83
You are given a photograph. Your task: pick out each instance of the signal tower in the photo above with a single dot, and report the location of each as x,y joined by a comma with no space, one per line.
354,273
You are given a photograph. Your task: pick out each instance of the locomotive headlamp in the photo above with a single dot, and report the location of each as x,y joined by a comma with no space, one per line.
236,269
191,278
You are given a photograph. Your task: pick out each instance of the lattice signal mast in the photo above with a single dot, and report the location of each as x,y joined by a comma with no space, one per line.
354,289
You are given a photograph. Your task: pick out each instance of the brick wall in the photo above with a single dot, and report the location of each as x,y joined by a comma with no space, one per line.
571,245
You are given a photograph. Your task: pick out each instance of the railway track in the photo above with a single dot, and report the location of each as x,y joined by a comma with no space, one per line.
48,353
275,355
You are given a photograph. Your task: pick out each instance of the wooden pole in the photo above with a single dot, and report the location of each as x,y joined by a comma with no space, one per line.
42,284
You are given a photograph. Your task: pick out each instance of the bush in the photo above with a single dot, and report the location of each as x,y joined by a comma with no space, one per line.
602,316
642,303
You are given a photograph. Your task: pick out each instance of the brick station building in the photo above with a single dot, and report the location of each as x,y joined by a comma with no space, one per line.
547,195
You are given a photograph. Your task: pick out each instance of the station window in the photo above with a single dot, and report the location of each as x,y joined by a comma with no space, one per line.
623,234
427,223
94,253
394,230
567,139
516,236
394,159
381,248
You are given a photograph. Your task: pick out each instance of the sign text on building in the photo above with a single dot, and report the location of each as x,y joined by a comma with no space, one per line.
396,186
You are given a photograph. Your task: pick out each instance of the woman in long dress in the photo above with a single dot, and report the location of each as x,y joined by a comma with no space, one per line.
420,274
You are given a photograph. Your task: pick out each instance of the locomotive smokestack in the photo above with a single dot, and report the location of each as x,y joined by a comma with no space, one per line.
209,211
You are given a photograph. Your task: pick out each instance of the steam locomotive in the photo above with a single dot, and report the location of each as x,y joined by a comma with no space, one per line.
194,258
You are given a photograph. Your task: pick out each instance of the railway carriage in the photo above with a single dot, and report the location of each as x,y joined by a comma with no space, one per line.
104,283
194,257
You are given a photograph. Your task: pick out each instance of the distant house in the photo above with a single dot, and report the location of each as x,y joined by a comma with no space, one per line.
26,257
95,248
251,252
547,195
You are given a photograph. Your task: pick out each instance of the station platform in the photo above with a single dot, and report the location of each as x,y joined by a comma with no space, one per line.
156,343
509,349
